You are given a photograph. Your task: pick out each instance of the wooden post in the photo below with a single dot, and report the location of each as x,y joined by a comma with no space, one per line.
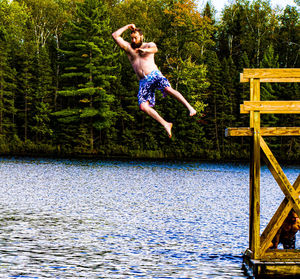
255,175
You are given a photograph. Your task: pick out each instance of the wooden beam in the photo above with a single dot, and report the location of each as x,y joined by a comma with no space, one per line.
280,177
282,255
263,80
277,220
285,107
264,131
272,73
252,88
255,181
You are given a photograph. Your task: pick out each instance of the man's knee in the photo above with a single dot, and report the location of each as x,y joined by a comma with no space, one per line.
144,106
168,89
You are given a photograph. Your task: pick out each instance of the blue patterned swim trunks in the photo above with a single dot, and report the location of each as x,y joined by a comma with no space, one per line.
154,81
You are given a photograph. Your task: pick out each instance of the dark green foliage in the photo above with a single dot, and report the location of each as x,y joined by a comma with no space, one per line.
87,64
67,89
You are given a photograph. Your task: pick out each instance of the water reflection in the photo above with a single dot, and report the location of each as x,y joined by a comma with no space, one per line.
72,219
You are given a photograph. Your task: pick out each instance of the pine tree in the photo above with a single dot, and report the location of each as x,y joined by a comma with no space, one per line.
12,19
87,62
42,98
25,64
7,91
215,101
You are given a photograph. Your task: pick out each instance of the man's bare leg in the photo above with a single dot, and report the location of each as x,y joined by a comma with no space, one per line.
177,95
154,114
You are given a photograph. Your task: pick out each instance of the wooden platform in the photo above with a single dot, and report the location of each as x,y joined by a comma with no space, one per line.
259,261
275,268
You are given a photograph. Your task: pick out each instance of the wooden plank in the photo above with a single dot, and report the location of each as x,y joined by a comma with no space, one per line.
256,182
264,80
280,177
271,268
255,173
239,132
282,255
286,107
251,197
251,175
242,79
271,73
279,270
280,131
278,219
264,131
252,86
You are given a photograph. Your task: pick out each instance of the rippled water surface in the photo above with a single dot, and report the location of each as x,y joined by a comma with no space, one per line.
113,219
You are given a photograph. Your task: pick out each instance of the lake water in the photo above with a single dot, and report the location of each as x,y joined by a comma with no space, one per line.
114,219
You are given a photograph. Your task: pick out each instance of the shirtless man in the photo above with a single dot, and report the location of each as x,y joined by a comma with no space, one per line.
141,57
287,233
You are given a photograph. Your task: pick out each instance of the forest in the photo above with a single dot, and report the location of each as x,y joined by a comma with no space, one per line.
66,88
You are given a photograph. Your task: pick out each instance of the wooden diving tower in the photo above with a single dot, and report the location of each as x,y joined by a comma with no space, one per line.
258,260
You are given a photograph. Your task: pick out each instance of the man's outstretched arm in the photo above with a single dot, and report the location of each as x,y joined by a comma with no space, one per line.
119,40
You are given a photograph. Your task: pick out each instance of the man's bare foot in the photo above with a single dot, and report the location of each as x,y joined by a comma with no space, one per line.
193,112
168,128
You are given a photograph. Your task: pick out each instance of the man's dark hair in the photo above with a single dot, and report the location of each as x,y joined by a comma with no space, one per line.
137,30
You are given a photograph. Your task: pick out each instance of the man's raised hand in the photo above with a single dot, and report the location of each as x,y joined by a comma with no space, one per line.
131,26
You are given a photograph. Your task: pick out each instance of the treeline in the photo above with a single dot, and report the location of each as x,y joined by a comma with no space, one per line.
66,89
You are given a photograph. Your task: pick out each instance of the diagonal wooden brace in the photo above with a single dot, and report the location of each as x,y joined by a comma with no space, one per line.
277,220
280,177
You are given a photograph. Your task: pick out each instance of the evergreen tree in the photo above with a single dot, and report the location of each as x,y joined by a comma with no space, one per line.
12,19
230,109
7,91
87,62
215,101
42,98
25,64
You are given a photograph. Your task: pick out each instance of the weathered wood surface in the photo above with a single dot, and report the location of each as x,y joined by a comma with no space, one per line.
256,188
264,131
254,228
263,80
286,107
271,75
282,255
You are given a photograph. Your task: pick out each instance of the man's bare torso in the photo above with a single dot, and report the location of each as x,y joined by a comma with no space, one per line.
142,62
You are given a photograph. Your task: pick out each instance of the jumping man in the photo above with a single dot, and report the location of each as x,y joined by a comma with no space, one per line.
141,57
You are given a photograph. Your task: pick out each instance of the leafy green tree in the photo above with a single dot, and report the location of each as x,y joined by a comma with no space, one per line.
231,31
247,27
288,38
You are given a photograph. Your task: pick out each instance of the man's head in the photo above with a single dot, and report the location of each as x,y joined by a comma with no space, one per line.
136,38
293,216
